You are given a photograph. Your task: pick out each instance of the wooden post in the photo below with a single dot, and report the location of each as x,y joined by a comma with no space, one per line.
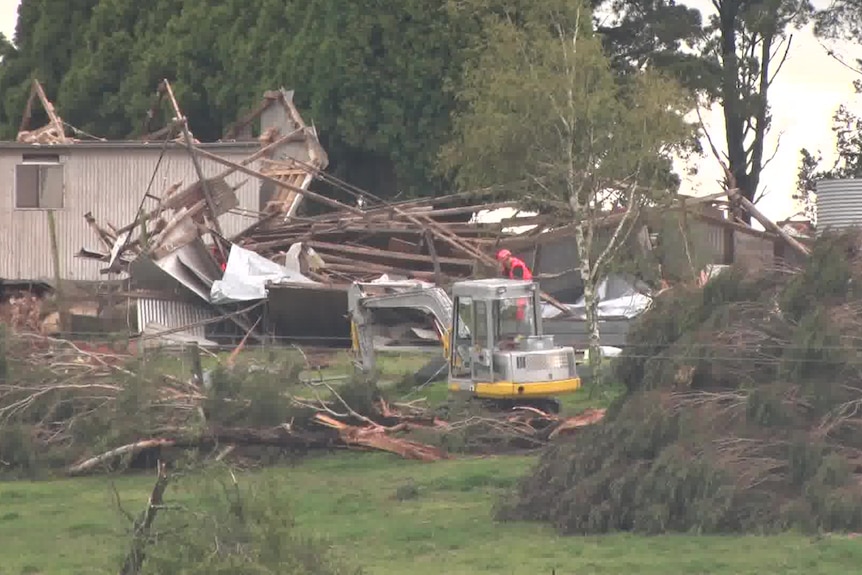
58,278
194,354
438,274
211,215
28,109
49,109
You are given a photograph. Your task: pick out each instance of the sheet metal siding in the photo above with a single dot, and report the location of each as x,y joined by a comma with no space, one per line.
108,183
171,314
612,333
839,204
712,237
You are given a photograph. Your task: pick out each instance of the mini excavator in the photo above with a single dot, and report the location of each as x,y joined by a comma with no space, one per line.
491,333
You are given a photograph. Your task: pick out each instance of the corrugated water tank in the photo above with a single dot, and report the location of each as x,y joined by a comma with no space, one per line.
839,204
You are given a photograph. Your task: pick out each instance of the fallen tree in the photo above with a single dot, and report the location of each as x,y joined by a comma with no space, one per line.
86,408
742,412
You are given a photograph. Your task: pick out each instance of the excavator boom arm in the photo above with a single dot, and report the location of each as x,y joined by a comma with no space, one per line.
364,298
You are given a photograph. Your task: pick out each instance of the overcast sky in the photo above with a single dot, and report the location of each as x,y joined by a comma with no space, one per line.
804,96
8,15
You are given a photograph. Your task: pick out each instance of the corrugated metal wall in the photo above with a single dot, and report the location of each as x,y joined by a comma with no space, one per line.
170,315
710,237
749,250
109,182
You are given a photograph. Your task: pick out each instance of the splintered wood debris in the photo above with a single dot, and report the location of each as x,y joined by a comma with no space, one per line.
430,239
175,240
54,132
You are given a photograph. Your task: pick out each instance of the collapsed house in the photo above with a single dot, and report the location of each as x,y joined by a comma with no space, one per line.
209,241
118,185
201,236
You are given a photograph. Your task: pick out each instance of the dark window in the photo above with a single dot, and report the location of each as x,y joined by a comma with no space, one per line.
39,184
463,322
41,158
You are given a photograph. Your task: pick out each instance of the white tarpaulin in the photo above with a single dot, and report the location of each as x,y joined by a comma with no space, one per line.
397,280
246,276
617,298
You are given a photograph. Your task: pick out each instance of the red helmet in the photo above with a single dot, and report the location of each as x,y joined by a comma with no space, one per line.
503,254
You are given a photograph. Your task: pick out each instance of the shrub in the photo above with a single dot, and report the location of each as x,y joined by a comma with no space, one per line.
233,529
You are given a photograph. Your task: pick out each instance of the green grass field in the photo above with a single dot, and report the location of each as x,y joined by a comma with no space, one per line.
357,502
72,526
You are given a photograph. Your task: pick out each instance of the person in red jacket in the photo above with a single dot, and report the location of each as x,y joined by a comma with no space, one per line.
515,269
512,267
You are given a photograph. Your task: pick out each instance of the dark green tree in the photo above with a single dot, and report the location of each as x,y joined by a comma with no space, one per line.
47,35
749,41
6,46
663,34
374,77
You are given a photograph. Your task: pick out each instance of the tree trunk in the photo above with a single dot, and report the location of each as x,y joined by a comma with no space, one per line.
590,299
734,120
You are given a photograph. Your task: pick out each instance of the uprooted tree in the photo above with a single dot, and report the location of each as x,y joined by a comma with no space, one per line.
742,412
542,107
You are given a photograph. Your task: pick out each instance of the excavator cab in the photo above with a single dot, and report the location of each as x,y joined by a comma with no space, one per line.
491,331
498,349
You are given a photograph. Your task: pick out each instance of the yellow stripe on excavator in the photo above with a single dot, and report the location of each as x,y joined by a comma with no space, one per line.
510,390
444,338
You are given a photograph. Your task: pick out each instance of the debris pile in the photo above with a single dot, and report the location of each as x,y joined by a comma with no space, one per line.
175,248
22,312
183,216
742,412
189,259
196,270
421,239
415,238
